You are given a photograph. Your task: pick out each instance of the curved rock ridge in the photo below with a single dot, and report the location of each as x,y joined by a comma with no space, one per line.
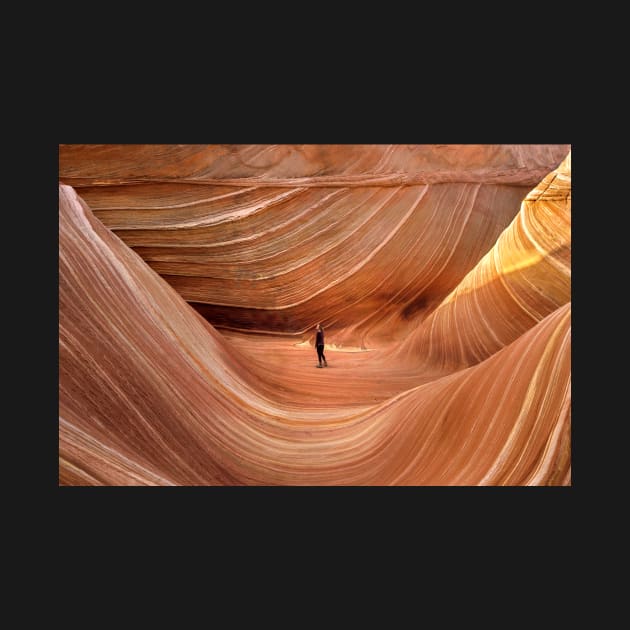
524,277
367,239
150,393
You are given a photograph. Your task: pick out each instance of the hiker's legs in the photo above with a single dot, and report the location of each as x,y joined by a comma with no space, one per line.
320,354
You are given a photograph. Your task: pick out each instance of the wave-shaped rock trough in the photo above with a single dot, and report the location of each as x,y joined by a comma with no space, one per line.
190,279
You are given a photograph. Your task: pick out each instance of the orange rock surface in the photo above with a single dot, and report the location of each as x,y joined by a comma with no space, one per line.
191,277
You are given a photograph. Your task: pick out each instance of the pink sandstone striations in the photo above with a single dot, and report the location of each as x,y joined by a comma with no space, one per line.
191,277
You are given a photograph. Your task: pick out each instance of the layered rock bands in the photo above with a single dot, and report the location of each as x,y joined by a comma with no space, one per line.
191,278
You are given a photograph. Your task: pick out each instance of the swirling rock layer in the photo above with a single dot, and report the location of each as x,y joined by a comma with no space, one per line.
449,266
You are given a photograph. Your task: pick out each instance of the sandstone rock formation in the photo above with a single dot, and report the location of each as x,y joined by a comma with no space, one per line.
524,277
448,265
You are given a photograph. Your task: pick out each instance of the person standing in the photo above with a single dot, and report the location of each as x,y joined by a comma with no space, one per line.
319,344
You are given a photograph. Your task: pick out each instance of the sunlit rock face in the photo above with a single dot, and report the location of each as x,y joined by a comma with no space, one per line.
448,265
523,278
